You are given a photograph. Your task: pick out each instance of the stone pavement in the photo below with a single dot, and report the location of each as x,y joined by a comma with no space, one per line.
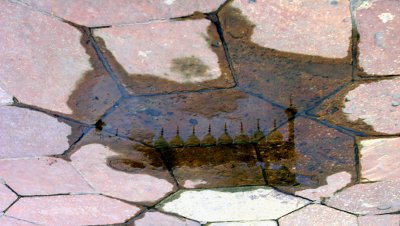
174,112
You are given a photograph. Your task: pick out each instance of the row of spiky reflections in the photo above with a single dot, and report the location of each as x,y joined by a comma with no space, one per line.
224,139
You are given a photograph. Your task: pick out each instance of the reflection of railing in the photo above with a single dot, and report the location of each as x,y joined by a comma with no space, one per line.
278,154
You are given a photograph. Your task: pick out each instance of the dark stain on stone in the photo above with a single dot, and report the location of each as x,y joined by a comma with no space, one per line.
190,67
278,75
96,92
138,84
332,111
125,165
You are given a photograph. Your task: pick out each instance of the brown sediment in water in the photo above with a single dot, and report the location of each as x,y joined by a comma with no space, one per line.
139,84
278,75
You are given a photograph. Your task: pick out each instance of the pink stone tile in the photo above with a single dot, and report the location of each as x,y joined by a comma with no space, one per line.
27,133
97,13
137,186
7,197
45,176
72,210
335,182
321,28
39,67
155,219
9,221
378,23
384,220
379,109
380,159
5,97
372,198
318,215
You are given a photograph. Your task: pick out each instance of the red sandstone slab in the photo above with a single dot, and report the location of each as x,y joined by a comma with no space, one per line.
372,198
318,215
122,169
57,71
7,197
97,13
166,56
42,176
386,220
310,27
378,23
9,221
72,210
27,133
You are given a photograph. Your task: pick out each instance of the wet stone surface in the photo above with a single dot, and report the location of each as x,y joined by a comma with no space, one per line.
167,56
97,13
278,75
122,169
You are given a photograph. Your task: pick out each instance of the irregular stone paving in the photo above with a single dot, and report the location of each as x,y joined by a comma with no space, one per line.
72,210
319,28
334,182
153,218
247,223
231,204
372,198
380,159
7,197
191,56
5,98
386,220
318,215
122,169
41,176
378,23
28,133
97,13
9,221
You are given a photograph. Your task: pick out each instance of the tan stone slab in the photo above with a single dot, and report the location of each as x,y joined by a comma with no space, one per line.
334,182
72,210
310,27
318,215
7,197
379,108
40,68
136,183
153,218
380,159
384,220
9,221
42,176
231,204
27,133
372,198
378,23
97,13
166,56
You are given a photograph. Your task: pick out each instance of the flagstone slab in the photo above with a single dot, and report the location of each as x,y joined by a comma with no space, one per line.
42,176
72,210
166,56
5,98
27,133
122,169
153,218
320,28
378,23
372,198
278,75
97,13
231,204
245,223
7,197
9,221
387,220
334,182
318,215
380,159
